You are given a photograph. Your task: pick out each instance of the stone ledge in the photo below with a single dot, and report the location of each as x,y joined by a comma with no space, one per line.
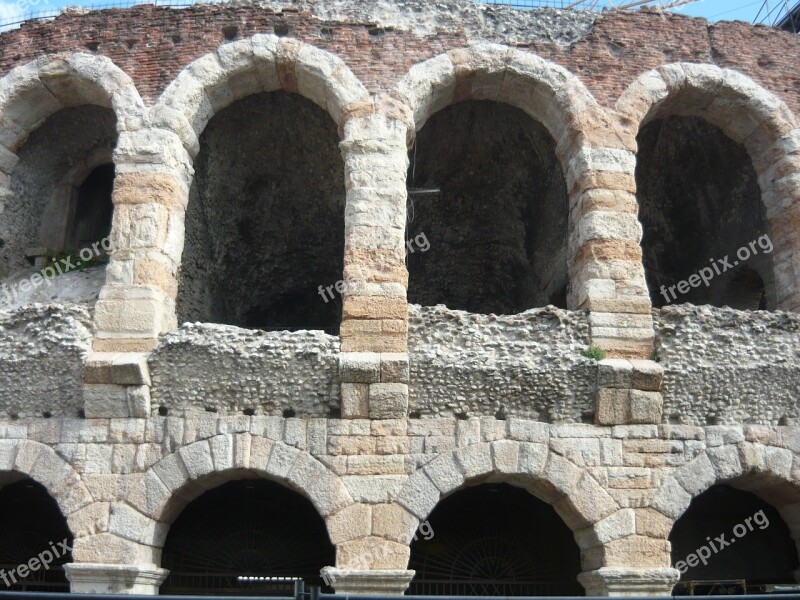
121,368
383,582
97,578
629,581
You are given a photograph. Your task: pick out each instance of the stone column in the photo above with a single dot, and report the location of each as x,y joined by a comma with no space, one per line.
629,392
137,303
98,578
606,270
370,565
374,359
624,581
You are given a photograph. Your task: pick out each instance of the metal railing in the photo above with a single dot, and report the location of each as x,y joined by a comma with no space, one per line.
301,592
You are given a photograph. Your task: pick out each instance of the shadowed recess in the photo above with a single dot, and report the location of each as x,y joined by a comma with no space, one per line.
495,540
32,523
265,220
498,227
699,202
232,537
57,194
759,551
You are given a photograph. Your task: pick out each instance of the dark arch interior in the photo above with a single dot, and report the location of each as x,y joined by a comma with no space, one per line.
265,220
30,524
699,201
44,183
764,554
91,221
495,540
498,228
249,528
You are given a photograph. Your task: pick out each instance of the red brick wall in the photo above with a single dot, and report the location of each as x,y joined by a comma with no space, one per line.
154,44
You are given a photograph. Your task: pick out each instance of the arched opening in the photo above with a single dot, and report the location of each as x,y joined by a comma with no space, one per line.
495,540
265,219
706,238
248,537
58,186
91,220
731,541
488,193
34,532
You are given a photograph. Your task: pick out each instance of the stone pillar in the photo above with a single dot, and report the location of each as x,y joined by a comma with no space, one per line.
357,582
116,385
628,392
606,270
137,303
374,359
777,170
98,578
622,581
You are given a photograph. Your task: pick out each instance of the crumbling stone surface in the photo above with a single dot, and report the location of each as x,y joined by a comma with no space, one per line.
43,348
528,365
74,287
479,22
725,366
225,369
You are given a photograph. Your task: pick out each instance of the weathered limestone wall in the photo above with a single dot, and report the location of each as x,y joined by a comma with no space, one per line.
527,365
43,349
432,399
228,370
121,482
723,366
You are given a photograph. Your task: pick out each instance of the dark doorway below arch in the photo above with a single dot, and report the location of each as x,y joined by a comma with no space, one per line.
763,554
496,540
30,524
234,538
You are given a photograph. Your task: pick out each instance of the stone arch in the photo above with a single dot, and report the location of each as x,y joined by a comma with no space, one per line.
544,90
43,465
180,477
32,92
580,501
750,115
262,63
765,470
585,139
36,91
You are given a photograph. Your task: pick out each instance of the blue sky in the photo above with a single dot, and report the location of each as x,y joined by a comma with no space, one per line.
727,10
714,10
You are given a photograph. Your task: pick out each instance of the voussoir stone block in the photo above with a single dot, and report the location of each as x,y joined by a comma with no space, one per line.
419,495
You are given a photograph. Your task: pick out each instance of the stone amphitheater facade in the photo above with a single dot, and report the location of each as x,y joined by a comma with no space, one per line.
125,417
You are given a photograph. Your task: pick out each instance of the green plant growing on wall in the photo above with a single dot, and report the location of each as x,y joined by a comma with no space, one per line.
594,352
